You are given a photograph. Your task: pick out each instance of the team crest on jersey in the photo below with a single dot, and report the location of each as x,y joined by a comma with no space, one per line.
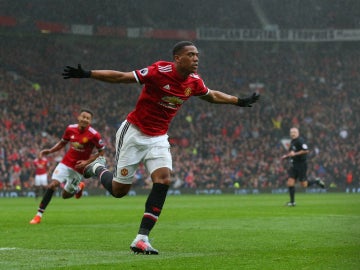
187,91
85,140
144,71
124,172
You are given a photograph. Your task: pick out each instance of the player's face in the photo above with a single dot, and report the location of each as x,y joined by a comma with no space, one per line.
187,60
294,133
84,119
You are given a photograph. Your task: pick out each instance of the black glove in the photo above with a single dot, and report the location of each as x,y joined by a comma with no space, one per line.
71,72
248,101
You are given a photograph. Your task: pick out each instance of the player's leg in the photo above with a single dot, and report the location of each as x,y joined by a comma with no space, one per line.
308,183
291,186
73,185
37,191
304,183
37,185
44,183
41,183
45,201
153,208
159,164
317,181
125,154
292,171
118,187
60,175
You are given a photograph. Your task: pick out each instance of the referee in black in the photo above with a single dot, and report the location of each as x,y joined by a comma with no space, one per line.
298,151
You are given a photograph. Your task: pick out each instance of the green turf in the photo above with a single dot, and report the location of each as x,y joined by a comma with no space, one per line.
193,232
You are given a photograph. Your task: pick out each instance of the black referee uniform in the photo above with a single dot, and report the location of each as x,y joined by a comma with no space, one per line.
298,166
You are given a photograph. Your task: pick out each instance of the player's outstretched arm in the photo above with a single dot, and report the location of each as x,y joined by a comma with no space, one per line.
248,101
111,76
79,72
59,145
219,97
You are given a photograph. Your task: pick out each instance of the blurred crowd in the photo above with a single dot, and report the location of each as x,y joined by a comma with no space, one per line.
311,86
187,14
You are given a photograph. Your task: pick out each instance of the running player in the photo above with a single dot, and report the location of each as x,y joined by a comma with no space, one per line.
41,174
142,137
298,151
83,139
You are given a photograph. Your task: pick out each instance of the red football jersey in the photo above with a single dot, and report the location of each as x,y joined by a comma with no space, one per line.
82,144
41,165
163,94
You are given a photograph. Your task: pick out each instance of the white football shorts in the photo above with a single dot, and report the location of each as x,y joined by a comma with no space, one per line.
67,176
134,147
41,179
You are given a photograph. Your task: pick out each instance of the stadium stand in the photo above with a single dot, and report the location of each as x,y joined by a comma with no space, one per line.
313,85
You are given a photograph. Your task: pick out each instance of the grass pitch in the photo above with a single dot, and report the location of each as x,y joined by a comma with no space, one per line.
193,232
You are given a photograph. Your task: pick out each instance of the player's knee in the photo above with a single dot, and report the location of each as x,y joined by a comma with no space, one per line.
162,180
120,190
119,194
53,185
291,182
165,181
161,176
304,184
66,195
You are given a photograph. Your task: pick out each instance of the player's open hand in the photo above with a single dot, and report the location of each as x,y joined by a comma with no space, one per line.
79,72
248,101
81,164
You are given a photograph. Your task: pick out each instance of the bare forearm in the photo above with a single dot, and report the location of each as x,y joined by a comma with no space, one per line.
113,76
298,153
83,163
95,156
61,144
220,98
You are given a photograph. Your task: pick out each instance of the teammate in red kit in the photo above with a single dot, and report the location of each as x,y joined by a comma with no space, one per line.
142,137
83,139
41,174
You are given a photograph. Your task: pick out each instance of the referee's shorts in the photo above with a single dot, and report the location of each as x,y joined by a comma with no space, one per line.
298,171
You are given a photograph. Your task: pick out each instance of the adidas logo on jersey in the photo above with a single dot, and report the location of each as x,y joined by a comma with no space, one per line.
166,68
167,87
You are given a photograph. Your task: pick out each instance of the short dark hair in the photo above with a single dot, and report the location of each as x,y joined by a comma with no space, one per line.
180,45
88,111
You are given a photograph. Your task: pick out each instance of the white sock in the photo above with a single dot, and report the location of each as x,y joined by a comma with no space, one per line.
142,237
97,165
